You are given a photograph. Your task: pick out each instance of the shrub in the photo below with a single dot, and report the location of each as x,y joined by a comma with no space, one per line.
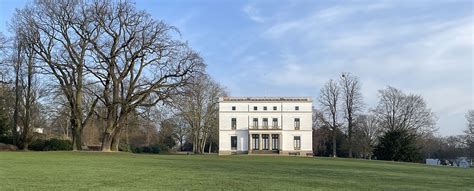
398,145
155,149
37,145
50,145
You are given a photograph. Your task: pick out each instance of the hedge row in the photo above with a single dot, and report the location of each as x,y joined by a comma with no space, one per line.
50,145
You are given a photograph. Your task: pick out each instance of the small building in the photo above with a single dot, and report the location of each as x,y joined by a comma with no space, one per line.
265,125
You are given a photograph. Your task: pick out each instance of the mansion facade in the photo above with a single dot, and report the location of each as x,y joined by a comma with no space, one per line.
265,125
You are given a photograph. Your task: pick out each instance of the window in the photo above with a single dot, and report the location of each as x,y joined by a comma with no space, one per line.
234,123
265,142
275,123
275,142
265,122
297,142
233,108
255,140
297,123
255,108
233,142
255,123
297,108
274,108
264,108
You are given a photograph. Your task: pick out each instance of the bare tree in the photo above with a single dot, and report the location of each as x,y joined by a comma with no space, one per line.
398,111
352,103
181,131
367,131
328,100
56,30
470,132
199,107
137,62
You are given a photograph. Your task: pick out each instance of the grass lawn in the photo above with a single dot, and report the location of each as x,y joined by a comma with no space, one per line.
124,171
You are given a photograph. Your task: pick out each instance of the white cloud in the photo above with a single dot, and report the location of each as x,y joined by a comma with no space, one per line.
431,56
253,13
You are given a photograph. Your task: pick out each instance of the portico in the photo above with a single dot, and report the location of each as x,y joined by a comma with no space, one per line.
264,142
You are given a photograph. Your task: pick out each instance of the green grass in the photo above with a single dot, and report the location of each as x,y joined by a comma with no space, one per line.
124,171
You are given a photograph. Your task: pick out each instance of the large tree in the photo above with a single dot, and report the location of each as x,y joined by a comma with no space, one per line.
399,111
351,103
199,107
329,100
136,60
56,29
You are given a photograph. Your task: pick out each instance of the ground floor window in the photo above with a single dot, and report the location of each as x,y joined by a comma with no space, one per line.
265,142
297,142
233,142
275,142
255,140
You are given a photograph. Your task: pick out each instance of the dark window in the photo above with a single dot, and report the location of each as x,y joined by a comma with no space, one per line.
255,141
255,123
233,108
274,108
255,108
234,123
264,108
297,108
233,142
275,142
265,122
297,142
265,142
297,123
275,123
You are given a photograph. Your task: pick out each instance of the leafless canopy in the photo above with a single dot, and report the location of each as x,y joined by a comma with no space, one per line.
329,100
396,110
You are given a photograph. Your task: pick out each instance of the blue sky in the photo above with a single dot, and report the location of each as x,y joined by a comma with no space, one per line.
291,48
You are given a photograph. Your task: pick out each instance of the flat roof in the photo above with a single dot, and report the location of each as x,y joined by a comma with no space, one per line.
245,99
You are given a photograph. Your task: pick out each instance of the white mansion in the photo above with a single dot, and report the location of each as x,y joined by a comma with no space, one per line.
265,125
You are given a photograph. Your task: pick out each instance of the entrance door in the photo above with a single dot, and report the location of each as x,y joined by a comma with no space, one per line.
233,142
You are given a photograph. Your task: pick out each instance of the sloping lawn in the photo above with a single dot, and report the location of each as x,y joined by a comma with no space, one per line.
124,171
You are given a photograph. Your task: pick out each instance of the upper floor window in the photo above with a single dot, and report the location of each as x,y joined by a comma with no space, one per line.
255,108
297,108
264,108
234,123
274,108
297,142
233,108
255,122
275,123
265,122
297,123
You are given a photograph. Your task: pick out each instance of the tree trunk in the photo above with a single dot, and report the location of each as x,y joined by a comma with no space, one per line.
210,147
76,135
17,99
334,151
349,127
116,140
106,142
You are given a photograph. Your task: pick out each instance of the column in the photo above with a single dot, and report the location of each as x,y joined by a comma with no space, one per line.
270,141
260,141
280,139
249,147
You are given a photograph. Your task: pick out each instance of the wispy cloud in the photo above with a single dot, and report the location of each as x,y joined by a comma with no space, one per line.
421,52
253,13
